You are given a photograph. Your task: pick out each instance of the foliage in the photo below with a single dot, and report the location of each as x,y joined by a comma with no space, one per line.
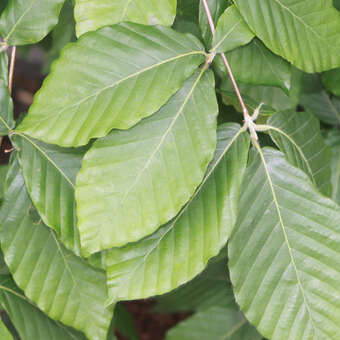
142,169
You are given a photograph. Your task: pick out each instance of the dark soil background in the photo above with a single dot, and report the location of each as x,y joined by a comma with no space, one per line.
28,78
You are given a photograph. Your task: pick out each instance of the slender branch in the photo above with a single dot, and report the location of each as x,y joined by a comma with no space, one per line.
11,69
226,63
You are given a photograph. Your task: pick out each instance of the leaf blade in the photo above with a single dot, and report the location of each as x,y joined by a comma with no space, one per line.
112,91
288,256
144,171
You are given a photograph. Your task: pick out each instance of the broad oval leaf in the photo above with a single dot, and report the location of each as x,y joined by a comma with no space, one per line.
214,323
131,182
284,254
50,175
62,285
181,249
231,31
29,321
109,79
331,80
91,15
254,64
305,32
298,135
25,22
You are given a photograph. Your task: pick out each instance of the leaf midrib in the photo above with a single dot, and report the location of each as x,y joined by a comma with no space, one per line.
283,227
171,225
136,74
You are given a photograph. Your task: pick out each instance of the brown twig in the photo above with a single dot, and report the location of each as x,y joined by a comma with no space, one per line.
226,63
11,69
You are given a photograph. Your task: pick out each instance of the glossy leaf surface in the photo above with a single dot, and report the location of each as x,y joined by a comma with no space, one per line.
50,174
149,172
25,22
231,31
109,79
215,323
284,256
180,250
303,145
64,286
305,32
91,15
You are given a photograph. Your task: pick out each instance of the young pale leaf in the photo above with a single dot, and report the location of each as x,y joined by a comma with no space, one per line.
298,135
331,80
4,332
91,15
216,7
212,288
284,254
28,320
6,104
333,140
131,182
50,174
254,64
26,22
109,79
215,323
62,285
181,249
305,32
314,98
231,31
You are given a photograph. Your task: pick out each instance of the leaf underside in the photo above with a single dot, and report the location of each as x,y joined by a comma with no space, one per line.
284,256
62,285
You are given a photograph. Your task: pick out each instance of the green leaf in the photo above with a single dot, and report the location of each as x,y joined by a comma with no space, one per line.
113,78
305,32
149,172
28,320
231,31
3,174
26,22
212,288
6,104
62,285
180,250
216,7
186,20
62,34
284,254
333,140
91,15
331,81
337,4
50,175
215,323
298,135
315,99
254,64
4,333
